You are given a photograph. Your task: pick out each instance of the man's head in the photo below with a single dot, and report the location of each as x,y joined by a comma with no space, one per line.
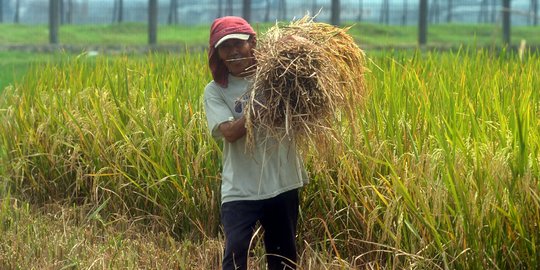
232,40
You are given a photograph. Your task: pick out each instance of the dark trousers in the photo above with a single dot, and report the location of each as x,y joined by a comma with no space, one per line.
278,216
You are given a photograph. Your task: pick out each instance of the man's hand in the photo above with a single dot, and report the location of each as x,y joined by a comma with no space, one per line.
233,130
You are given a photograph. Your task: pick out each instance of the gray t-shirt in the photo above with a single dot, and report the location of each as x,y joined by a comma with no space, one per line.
268,170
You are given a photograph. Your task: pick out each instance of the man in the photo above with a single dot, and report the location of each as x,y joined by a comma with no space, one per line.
258,185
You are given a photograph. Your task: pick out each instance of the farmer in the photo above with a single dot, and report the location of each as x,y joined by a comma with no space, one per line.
260,184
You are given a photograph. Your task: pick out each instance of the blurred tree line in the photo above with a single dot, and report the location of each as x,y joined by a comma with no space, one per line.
425,11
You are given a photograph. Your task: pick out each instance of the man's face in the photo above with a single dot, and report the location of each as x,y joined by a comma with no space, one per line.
237,55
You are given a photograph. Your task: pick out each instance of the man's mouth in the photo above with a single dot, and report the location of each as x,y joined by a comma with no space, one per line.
235,59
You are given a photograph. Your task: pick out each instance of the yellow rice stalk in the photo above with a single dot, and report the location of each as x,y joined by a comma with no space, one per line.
307,74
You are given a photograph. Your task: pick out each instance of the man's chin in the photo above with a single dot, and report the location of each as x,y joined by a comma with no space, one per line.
237,70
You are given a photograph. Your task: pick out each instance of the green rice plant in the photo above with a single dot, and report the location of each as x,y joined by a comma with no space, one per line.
128,131
445,165
441,171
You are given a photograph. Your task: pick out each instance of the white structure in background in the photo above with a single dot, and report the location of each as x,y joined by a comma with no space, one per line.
192,12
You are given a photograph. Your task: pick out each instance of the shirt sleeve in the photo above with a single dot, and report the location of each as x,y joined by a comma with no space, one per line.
217,111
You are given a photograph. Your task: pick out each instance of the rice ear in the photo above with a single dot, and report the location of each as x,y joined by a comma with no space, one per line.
307,74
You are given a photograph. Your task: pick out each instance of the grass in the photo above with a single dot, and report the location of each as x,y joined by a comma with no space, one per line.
75,237
441,35
367,34
117,34
441,171
15,64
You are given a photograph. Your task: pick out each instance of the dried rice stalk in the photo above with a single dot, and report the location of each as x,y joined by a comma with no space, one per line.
307,72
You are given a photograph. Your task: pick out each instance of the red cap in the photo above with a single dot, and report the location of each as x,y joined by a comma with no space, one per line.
220,28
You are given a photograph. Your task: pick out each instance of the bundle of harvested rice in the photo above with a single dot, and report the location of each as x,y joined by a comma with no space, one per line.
306,72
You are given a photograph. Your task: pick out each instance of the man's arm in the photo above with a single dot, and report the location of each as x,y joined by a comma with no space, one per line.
233,130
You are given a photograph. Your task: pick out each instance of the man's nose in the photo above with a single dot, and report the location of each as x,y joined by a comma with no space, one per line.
233,50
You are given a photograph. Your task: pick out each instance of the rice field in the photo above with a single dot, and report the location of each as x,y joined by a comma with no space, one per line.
438,169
